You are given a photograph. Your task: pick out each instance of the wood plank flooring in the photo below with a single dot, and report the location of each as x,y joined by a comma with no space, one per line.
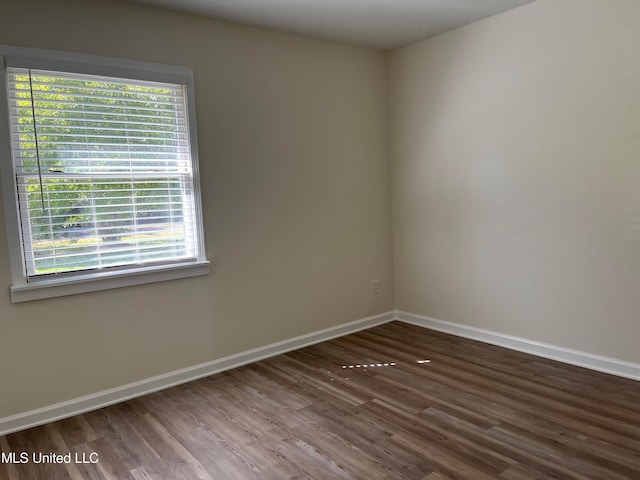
392,402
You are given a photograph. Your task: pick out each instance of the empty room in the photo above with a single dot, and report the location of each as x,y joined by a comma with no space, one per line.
341,239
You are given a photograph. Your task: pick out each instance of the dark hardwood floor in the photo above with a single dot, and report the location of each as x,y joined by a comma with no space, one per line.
393,402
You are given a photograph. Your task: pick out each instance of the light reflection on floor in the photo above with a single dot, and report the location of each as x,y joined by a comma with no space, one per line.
370,365
377,365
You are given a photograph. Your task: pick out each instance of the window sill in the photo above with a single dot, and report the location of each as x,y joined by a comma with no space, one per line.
97,282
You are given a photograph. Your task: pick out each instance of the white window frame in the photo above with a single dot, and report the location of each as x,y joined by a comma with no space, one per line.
21,289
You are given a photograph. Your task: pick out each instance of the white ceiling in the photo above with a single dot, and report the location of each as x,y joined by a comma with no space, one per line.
382,24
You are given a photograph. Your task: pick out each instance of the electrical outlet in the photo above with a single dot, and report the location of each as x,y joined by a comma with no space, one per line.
375,287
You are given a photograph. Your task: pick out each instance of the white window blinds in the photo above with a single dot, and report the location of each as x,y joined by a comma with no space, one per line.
103,172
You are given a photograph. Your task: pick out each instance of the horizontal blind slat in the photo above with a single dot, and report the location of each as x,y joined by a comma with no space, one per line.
178,121
21,83
102,107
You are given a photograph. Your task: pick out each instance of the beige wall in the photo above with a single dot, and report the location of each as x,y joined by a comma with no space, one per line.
515,176
296,204
515,150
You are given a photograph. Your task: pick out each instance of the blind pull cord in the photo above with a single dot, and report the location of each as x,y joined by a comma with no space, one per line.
35,134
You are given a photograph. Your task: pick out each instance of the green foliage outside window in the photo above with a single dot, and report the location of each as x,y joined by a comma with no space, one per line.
82,200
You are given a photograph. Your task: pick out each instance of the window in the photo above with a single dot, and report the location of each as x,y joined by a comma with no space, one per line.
100,181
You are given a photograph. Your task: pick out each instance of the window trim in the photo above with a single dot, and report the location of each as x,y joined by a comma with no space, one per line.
21,290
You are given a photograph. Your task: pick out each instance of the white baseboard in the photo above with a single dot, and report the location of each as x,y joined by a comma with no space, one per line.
77,406
80,405
613,366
